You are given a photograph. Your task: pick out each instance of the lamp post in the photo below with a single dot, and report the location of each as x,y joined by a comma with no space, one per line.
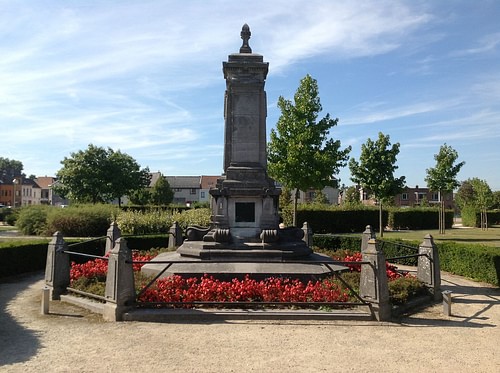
14,183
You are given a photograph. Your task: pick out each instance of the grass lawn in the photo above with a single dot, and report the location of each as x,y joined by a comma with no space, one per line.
491,237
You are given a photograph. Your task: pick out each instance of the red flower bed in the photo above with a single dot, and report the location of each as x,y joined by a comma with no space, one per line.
209,289
391,269
99,267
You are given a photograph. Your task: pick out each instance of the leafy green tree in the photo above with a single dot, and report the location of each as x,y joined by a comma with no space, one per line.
475,195
300,154
496,200
375,171
9,169
443,177
320,198
351,197
162,194
99,175
140,197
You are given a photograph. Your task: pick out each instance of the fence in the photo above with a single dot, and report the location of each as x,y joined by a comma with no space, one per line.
120,292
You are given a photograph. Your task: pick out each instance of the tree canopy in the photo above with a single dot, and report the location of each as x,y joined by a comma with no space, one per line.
375,170
99,175
443,177
162,194
300,153
9,169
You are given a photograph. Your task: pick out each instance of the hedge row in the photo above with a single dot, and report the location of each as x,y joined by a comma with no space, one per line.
341,220
23,256
478,262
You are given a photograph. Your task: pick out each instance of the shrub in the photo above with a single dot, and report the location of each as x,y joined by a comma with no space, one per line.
404,288
81,220
417,218
193,217
339,220
20,257
32,220
478,262
147,222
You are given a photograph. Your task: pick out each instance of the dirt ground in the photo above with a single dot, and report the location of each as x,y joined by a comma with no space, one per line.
70,339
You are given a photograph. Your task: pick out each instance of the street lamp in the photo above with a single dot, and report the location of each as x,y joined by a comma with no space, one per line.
14,183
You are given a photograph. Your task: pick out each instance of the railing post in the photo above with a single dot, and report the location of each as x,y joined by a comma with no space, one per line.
175,235
428,270
308,234
367,235
120,289
57,266
112,235
373,286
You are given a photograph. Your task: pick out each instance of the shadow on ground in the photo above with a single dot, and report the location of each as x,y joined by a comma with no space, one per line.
17,344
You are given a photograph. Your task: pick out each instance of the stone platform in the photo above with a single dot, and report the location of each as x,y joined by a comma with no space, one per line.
238,266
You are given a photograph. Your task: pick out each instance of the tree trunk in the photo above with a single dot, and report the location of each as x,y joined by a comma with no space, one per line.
380,220
296,197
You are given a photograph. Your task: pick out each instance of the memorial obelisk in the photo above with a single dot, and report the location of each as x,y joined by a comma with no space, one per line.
245,200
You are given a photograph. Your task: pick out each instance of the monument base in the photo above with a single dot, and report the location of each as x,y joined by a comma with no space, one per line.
243,263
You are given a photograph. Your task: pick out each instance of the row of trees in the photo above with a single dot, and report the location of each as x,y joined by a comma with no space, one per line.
301,157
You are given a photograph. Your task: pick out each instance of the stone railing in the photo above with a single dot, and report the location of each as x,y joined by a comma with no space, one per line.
120,290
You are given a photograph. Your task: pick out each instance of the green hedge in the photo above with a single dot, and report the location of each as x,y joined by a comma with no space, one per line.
341,220
18,257
478,262
21,256
418,218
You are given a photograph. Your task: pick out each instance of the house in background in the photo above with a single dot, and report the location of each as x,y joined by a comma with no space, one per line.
186,189
19,192
47,195
207,183
412,197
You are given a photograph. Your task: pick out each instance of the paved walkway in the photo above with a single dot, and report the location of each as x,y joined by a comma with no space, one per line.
73,340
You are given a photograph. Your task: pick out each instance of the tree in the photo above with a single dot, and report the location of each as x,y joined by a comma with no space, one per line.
375,171
443,177
496,200
351,197
162,194
140,197
475,195
9,169
300,154
99,175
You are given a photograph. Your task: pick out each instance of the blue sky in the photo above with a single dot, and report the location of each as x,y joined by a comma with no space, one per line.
145,77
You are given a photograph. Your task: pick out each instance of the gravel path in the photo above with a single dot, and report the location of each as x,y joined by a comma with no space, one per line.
73,340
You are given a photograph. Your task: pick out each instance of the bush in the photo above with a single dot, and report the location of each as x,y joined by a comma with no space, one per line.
193,217
405,288
418,218
338,219
20,257
32,220
478,262
81,220
147,222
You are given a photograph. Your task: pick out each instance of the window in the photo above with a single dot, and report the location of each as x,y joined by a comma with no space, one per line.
193,191
202,194
404,196
435,196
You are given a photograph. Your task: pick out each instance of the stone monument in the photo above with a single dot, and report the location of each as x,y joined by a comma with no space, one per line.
245,200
